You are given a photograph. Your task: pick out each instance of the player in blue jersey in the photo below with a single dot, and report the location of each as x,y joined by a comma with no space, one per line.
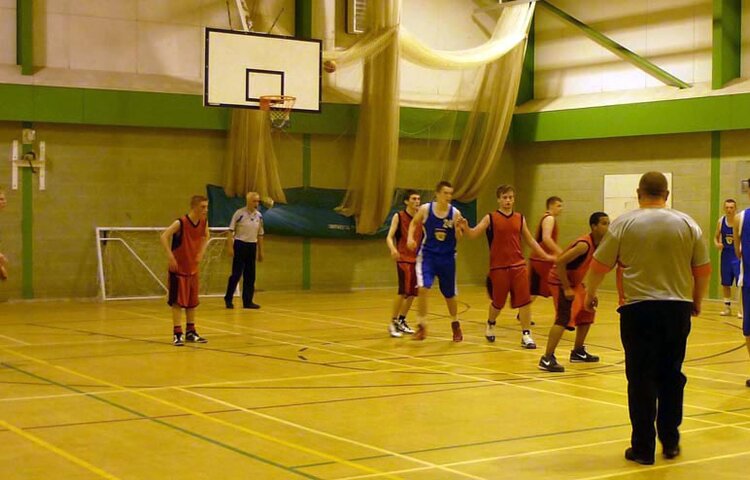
436,257
730,264
742,245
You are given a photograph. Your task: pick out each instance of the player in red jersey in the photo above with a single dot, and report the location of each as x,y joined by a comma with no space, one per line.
508,272
546,236
185,242
568,294
405,262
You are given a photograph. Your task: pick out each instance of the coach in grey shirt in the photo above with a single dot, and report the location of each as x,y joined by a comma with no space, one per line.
665,273
245,245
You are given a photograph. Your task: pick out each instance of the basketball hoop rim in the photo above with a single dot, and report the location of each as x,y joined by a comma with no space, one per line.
279,101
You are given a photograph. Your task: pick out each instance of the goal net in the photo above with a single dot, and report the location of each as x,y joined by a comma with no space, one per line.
133,265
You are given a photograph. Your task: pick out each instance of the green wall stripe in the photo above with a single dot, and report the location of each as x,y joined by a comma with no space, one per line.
108,107
713,289
690,115
25,36
170,110
27,225
727,42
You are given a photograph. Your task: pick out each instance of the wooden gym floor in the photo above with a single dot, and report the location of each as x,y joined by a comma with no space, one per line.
311,386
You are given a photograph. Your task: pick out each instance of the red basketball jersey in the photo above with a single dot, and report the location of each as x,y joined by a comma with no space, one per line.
539,235
187,244
504,237
401,236
579,266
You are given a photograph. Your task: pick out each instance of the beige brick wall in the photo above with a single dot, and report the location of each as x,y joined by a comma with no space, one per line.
575,170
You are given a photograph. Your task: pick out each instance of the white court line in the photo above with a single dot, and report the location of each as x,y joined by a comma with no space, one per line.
547,451
207,385
15,340
427,465
348,323
700,420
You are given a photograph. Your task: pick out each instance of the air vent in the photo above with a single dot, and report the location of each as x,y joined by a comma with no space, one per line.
356,22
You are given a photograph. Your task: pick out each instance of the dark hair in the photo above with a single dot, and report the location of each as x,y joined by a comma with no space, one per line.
441,184
730,200
196,199
552,200
408,193
595,217
653,184
504,188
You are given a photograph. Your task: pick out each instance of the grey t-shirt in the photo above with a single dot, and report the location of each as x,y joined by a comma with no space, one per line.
657,248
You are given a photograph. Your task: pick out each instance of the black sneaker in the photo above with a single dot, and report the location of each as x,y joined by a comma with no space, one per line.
671,452
630,455
177,340
582,356
194,337
549,363
228,304
253,306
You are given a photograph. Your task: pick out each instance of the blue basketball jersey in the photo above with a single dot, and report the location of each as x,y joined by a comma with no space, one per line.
745,248
727,240
439,234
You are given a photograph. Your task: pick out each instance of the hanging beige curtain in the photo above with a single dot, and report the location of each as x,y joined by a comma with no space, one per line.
373,173
251,164
487,129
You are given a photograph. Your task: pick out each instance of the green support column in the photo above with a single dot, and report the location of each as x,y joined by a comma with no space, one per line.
303,18
727,42
27,221
526,87
24,36
306,242
713,289
303,29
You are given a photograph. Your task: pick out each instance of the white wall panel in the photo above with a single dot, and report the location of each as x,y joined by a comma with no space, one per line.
102,44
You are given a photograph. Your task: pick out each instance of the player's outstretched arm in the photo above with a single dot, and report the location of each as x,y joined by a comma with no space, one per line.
478,229
416,222
533,244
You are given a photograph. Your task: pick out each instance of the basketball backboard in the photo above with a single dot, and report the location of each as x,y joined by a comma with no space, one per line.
243,66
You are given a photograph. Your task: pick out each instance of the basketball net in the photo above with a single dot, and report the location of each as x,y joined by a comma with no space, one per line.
279,108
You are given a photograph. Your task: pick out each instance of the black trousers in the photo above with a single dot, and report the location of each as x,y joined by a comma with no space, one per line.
243,265
654,336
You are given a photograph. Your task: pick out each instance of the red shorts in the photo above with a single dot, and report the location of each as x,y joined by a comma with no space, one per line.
570,313
183,290
407,279
538,277
513,280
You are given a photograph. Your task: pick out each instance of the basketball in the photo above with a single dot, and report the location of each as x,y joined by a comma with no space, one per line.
329,66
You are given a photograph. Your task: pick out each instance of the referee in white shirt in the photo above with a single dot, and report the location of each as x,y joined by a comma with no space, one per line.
245,245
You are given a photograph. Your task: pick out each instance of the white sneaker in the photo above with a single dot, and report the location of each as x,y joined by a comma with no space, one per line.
404,327
740,315
393,330
527,341
727,312
489,332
